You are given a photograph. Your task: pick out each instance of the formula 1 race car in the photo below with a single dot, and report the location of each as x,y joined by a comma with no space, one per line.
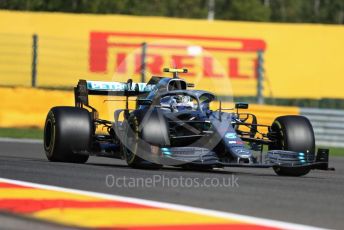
175,125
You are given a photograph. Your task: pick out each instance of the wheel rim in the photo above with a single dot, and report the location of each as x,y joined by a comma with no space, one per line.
49,137
280,144
132,142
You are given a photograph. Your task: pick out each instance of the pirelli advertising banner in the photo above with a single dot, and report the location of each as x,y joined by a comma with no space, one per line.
298,60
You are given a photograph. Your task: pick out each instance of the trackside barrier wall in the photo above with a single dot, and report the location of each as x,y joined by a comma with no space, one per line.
328,125
28,107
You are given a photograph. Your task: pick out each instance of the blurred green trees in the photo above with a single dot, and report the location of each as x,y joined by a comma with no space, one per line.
308,11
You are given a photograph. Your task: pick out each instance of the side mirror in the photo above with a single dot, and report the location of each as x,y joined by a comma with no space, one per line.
144,102
190,85
241,105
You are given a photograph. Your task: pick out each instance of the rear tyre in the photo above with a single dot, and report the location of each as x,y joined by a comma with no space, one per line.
67,133
132,146
295,133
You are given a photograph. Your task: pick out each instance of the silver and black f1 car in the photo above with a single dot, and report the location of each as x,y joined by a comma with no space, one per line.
174,125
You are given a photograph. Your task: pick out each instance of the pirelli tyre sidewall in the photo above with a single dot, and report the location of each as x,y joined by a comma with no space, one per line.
132,139
68,134
295,134
135,150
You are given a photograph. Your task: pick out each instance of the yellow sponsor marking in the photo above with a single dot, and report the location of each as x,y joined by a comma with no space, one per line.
127,217
291,58
40,194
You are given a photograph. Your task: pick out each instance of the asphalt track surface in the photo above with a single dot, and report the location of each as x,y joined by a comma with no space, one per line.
316,199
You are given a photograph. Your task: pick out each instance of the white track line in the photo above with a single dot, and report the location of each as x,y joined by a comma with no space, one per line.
177,207
20,140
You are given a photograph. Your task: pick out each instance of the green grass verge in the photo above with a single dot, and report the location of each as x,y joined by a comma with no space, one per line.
335,151
31,133
38,134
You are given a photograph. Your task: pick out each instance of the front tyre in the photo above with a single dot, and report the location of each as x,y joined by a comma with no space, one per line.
132,146
67,134
295,133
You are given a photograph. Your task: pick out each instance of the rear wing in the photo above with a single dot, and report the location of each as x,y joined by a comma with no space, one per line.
129,88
